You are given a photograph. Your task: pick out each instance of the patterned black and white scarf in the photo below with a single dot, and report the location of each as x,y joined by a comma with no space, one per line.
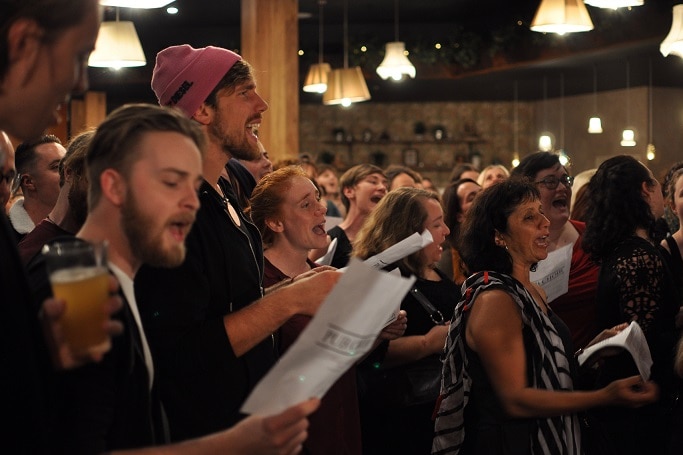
558,435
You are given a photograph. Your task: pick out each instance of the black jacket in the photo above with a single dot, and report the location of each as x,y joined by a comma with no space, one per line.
201,381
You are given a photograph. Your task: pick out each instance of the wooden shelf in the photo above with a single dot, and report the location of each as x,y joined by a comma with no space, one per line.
412,143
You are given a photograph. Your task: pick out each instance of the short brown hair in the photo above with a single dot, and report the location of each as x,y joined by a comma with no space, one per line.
351,177
114,145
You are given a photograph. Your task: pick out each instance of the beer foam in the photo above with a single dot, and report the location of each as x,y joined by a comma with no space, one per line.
76,274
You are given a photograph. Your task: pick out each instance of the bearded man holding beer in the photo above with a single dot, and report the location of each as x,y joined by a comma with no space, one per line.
144,167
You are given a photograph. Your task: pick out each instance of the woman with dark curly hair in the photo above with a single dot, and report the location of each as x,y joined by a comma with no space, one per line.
507,385
577,306
634,284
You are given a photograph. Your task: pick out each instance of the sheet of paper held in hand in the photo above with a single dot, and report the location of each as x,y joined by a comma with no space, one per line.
343,330
633,340
552,273
326,259
398,251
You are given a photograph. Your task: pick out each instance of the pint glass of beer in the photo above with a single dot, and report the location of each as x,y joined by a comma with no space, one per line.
79,276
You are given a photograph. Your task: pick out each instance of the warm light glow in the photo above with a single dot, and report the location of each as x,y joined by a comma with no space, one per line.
316,79
545,142
515,160
673,43
613,4
395,63
172,10
346,86
650,154
628,138
595,125
561,16
563,157
437,45
117,46
145,4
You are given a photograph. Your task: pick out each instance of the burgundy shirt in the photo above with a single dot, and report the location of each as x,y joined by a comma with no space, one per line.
335,427
578,307
33,242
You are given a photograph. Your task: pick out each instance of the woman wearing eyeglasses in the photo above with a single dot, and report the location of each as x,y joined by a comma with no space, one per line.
577,307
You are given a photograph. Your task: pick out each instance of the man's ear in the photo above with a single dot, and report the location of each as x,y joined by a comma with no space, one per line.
24,39
113,186
27,183
204,114
275,225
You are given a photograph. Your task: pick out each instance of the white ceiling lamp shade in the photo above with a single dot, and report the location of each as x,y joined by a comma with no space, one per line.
316,79
614,4
594,123
117,46
673,43
546,141
561,16
650,150
515,122
142,4
395,64
628,136
346,86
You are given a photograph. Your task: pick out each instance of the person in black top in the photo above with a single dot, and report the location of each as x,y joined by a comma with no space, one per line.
429,306
209,325
634,284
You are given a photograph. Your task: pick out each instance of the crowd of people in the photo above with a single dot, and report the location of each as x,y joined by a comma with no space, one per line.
214,268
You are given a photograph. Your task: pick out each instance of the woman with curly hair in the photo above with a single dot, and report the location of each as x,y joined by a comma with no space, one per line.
507,385
634,284
577,306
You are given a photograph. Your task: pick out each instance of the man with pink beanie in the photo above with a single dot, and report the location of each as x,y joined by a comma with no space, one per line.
209,326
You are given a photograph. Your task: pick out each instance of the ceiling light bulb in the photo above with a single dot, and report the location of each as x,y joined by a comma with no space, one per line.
595,125
395,63
144,4
628,138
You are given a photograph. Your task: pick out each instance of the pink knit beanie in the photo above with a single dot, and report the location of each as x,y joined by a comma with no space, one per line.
184,77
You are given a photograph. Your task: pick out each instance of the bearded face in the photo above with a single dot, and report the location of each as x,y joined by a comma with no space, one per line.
146,235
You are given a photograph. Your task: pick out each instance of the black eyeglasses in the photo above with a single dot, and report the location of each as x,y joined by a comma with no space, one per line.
551,182
9,177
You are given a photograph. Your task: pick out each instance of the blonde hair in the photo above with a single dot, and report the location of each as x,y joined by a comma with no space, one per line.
381,229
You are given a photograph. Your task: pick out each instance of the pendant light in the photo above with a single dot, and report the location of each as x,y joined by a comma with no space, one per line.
561,16
545,141
628,136
613,4
346,86
395,63
515,123
673,43
650,150
117,46
144,4
595,124
316,79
